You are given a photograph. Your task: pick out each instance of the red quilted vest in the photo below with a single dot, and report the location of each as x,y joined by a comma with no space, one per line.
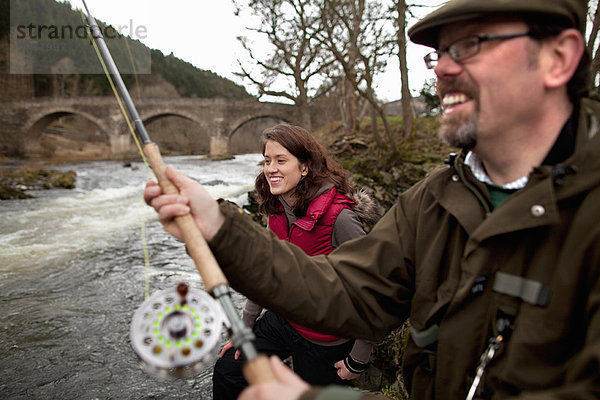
312,233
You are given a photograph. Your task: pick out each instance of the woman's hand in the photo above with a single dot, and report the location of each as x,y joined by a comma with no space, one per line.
343,372
228,345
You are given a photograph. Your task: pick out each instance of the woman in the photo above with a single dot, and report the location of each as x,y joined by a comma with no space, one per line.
309,202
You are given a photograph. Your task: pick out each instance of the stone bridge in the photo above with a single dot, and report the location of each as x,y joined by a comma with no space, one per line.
22,122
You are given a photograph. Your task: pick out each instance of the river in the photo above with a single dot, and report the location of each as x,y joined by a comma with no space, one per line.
73,272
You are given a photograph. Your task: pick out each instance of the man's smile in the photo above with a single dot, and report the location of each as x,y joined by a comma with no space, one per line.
450,101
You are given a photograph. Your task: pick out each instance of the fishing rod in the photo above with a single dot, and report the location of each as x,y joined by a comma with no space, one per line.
169,331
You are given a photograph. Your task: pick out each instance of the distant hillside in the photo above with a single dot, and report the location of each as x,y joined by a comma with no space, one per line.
43,25
193,82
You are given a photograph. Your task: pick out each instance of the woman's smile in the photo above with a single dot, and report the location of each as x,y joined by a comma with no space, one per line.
283,170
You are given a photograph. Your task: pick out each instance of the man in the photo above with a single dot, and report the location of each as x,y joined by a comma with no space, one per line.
494,258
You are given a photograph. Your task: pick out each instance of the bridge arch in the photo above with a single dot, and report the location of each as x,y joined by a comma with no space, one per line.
244,136
258,117
173,130
40,140
36,123
151,117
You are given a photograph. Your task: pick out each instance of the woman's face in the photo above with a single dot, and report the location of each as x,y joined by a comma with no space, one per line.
283,171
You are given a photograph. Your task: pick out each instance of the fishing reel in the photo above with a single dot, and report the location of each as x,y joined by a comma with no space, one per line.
175,332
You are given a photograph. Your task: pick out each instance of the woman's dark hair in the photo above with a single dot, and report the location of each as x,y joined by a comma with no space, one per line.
321,168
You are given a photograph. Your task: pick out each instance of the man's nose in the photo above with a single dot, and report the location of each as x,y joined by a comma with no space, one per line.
446,66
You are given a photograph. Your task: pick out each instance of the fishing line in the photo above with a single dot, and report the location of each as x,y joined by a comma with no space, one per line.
117,96
143,221
146,262
139,147
135,74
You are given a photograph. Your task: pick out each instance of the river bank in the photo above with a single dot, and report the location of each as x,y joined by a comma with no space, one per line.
385,172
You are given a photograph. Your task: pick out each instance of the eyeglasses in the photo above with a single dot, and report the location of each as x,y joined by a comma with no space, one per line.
466,47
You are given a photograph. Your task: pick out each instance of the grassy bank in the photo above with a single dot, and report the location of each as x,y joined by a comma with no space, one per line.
385,172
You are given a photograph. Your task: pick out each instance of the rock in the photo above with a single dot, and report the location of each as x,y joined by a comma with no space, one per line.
14,183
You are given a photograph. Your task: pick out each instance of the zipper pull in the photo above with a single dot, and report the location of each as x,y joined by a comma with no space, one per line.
484,360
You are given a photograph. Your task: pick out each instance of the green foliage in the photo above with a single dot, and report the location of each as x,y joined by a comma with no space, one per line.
393,392
429,95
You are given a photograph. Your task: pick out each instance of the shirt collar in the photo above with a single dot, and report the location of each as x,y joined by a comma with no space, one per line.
561,150
474,162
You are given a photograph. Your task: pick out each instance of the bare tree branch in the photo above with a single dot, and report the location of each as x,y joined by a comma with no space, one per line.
357,33
296,57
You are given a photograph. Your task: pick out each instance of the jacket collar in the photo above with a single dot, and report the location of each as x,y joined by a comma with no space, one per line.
318,206
316,209
546,185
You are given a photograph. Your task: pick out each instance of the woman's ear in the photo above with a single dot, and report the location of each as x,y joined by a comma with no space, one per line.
565,51
304,170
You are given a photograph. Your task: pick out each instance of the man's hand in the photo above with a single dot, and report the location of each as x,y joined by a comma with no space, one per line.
343,372
192,198
287,385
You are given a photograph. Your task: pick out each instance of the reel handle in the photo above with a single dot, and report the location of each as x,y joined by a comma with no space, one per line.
258,370
205,261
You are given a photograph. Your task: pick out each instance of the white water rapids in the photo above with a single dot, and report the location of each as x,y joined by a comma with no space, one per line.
72,273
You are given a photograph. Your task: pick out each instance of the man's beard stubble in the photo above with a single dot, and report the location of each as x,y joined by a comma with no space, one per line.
459,133
455,130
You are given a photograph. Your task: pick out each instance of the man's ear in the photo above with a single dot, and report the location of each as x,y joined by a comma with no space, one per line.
564,53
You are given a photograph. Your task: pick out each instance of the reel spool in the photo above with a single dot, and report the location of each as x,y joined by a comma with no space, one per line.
175,331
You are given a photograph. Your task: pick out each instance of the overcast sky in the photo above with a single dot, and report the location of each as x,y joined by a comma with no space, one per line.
203,32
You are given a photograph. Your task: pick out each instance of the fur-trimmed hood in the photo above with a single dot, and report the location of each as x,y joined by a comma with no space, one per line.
365,207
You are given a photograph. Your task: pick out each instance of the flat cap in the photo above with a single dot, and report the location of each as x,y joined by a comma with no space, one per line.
427,30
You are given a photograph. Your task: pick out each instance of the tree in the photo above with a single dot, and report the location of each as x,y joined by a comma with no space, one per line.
592,39
357,33
290,26
406,99
346,57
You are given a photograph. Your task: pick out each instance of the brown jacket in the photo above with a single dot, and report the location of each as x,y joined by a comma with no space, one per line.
441,258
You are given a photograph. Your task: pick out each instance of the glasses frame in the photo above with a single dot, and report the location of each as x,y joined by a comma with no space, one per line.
431,59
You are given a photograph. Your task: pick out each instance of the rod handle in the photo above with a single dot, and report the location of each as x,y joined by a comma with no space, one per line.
258,370
205,261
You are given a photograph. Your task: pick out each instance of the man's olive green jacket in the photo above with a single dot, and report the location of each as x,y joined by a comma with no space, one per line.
526,272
